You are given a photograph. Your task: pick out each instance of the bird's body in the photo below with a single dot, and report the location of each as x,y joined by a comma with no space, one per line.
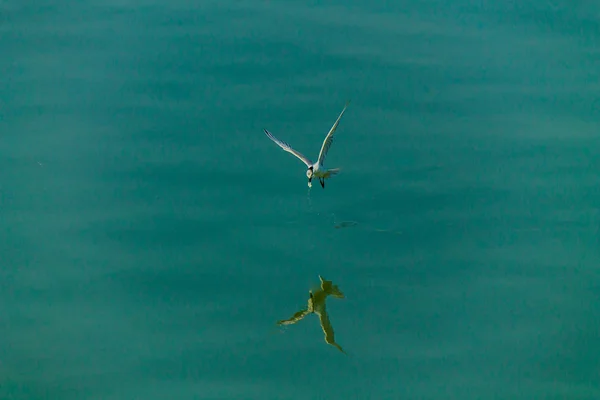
316,305
315,169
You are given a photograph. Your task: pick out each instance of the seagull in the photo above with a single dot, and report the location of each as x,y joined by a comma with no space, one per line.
314,169
316,305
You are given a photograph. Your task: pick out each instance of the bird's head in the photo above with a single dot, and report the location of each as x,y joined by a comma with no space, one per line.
309,173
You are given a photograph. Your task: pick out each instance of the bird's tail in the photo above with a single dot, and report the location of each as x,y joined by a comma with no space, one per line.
332,171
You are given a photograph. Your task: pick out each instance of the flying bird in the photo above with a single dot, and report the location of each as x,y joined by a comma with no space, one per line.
316,305
315,169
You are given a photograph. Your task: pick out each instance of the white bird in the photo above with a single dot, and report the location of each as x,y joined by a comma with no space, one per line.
314,169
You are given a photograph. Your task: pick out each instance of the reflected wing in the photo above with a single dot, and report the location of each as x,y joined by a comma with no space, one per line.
328,329
295,318
288,148
329,138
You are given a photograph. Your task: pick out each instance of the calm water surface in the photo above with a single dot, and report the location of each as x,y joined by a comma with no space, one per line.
151,234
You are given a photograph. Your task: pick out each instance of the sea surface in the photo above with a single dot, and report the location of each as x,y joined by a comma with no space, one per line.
151,235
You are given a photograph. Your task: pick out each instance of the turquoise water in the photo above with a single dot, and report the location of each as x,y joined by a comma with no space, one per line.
152,235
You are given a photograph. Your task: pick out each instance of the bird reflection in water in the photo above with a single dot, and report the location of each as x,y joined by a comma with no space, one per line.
316,305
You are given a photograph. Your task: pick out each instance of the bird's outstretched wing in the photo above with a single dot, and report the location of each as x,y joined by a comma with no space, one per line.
288,148
295,318
328,329
329,138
